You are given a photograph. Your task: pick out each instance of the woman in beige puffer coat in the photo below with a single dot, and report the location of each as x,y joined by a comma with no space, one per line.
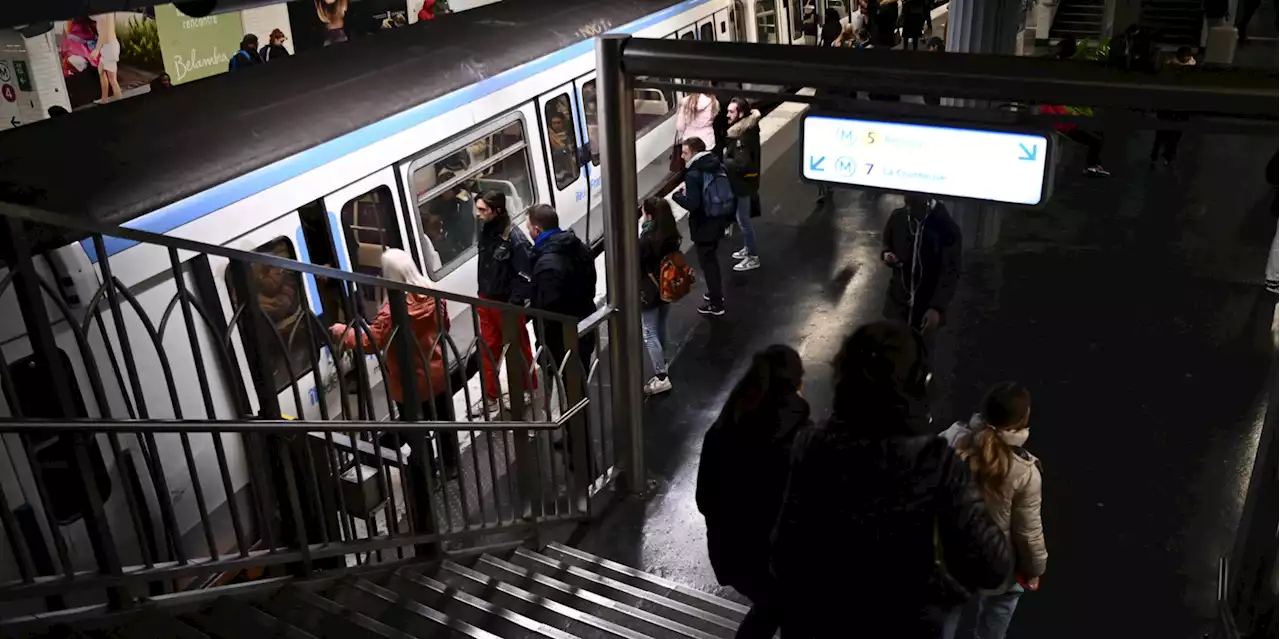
1010,478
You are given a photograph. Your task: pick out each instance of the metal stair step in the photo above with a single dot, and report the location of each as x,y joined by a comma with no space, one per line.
628,575
153,624
631,595
486,615
546,610
229,618
620,613
328,619
400,610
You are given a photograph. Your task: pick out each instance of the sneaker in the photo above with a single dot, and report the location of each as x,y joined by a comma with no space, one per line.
748,263
656,385
1273,286
711,308
1097,171
490,405
740,253
706,297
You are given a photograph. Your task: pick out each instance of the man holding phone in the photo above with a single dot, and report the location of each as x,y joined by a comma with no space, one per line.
922,244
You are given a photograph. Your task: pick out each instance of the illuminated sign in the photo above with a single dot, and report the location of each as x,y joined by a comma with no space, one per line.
980,164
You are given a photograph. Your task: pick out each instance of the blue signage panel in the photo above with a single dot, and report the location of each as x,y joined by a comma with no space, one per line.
980,164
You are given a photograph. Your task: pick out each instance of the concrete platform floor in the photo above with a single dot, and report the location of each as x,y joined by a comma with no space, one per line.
1134,309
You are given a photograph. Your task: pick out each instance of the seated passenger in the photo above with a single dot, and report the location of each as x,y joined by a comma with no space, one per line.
882,526
742,476
563,155
992,443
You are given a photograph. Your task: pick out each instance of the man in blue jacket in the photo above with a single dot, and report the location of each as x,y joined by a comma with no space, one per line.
704,230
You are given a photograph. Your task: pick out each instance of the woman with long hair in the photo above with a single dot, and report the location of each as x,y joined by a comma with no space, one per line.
880,519
426,316
742,477
696,118
992,443
659,238
503,274
333,15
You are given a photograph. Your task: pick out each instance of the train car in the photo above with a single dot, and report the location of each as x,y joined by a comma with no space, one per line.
325,158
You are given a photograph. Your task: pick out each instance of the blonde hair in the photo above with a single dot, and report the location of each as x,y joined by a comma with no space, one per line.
397,266
690,106
1006,407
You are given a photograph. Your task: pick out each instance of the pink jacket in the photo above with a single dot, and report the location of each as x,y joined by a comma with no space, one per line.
700,125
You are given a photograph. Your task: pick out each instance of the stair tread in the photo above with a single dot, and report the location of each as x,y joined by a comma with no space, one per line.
604,607
300,607
735,609
406,614
488,608
229,618
542,607
153,624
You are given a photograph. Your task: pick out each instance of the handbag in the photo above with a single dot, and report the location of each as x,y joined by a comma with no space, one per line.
677,161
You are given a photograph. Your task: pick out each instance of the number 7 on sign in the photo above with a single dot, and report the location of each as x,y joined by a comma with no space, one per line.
869,167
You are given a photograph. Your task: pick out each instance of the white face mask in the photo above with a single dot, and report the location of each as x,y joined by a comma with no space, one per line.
1015,438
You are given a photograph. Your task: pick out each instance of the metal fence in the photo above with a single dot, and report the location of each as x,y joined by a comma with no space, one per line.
229,414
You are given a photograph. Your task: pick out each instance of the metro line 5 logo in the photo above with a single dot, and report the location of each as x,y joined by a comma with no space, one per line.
849,137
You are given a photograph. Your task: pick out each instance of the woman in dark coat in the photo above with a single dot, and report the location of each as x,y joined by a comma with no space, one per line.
742,477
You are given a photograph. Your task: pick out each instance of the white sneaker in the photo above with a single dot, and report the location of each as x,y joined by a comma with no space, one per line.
740,253
486,405
656,385
748,263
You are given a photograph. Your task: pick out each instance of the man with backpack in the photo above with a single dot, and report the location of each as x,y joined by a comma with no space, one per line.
708,197
564,281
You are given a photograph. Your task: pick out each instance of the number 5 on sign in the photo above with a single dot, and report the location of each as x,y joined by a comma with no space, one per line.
871,138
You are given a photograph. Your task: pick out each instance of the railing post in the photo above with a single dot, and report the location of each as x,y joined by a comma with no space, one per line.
622,259
45,348
576,431
528,477
419,469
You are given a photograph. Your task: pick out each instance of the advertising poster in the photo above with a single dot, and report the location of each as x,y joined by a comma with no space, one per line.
108,56
197,48
322,23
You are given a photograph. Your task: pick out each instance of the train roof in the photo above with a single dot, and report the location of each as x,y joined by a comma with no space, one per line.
113,163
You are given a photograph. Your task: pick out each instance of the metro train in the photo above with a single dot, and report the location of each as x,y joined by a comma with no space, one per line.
325,158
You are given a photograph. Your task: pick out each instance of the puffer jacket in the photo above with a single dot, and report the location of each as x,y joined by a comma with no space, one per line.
742,155
1017,511
702,124
855,538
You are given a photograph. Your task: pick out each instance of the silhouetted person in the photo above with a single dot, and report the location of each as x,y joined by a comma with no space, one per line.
743,474
882,529
57,111
922,244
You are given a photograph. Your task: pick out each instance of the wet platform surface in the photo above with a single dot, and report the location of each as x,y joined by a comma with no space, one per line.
1132,307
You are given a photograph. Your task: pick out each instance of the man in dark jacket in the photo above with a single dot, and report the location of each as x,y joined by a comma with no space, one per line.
742,164
564,280
504,274
705,231
882,531
922,245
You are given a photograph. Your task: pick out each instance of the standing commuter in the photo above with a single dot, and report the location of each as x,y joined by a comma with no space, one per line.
504,274
882,525
275,47
830,27
706,221
922,245
742,164
742,477
1166,143
247,56
916,17
696,118
992,443
884,23
659,239
426,315
563,275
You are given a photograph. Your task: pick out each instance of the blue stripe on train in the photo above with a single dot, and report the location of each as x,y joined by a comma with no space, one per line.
201,204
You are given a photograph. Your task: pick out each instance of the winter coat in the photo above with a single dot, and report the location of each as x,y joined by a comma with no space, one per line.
702,124
939,258
702,229
742,155
564,275
855,537
650,265
504,272
884,23
273,52
1017,509
243,59
741,480
424,318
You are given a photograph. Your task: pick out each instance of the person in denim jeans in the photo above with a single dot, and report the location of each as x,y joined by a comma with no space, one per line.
659,238
992,443
742,164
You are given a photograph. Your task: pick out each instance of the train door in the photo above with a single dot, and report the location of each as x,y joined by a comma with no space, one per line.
725,31
364,217
589,124
559,119
286,301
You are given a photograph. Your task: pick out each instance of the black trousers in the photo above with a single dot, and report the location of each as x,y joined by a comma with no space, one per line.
710,265
1166,145
1092,143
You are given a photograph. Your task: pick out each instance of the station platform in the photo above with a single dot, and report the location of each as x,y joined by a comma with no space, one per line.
1134,309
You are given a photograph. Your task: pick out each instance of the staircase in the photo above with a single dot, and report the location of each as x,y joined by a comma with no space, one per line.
1079,19
1176,22
559,593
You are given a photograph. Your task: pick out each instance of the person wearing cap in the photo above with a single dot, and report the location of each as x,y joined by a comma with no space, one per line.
275,47
247,56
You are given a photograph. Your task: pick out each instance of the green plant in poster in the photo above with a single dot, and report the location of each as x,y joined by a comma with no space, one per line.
140,43
197,48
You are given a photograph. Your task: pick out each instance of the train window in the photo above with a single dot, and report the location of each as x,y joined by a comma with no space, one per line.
321,251
707,32
593,120
688,35
284,314
445,181
562,140
766,22
369,224
652,106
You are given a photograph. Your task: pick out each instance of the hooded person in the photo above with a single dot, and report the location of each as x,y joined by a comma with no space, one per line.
922,244
881,521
